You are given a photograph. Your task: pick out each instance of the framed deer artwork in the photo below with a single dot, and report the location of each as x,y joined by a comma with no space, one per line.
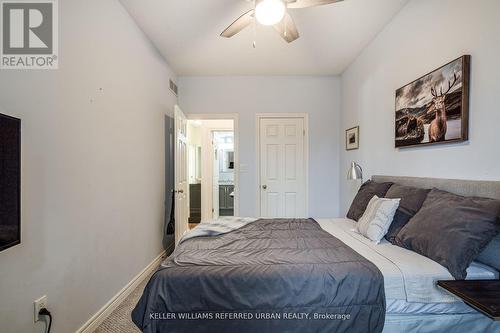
435,108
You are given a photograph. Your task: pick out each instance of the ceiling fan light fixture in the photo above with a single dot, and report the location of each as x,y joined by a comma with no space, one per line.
270,12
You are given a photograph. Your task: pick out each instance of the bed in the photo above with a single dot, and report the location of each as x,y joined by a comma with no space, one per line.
447,314
413,301
269,275
243,279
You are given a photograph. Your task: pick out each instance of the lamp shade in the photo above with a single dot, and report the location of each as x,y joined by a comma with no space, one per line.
355,172
270,12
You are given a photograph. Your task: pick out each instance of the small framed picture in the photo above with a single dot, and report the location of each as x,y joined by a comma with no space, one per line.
352,138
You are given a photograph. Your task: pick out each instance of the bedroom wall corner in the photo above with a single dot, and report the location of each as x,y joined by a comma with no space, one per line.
423,36
319,96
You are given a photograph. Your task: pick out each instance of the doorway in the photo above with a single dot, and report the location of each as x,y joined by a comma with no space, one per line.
282,157
223,179
212,167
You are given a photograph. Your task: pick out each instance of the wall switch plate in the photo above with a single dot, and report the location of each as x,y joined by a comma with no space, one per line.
39,304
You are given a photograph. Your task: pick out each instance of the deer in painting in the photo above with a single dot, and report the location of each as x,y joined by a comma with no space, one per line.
438,127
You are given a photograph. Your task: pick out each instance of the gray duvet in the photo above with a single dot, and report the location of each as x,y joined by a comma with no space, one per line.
279,275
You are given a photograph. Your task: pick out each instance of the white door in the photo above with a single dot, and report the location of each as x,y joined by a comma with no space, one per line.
282,167
181,178
215,179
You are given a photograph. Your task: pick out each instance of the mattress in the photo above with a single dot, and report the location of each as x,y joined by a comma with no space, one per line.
442,323
397,306
409,278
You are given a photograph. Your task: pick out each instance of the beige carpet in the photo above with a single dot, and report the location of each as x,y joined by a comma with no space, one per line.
119,321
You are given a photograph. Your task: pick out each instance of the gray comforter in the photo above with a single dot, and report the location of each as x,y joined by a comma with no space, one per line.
280,275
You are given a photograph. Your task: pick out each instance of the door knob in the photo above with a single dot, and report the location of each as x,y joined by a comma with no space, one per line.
264,187
179,191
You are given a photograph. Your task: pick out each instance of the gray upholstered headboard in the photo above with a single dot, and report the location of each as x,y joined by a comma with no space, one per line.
469,188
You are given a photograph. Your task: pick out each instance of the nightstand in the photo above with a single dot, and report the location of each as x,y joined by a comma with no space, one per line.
482,295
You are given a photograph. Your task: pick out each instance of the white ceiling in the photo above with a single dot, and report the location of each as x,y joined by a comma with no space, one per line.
187,34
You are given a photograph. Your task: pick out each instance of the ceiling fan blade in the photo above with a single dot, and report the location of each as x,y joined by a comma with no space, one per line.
241,23
287,29
310,3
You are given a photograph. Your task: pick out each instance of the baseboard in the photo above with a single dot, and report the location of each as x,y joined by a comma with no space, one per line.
92,324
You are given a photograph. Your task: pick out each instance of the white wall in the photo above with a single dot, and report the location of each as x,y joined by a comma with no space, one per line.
317,96
423,36
92,174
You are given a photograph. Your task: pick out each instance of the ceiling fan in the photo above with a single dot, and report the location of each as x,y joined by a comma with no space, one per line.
273,13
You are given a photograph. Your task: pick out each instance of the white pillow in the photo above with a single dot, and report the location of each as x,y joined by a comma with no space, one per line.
377,218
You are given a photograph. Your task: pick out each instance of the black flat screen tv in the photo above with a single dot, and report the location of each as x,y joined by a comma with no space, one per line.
10,181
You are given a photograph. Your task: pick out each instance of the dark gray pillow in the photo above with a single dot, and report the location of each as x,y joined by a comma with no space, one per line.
491,254
451,230
365,194
412,199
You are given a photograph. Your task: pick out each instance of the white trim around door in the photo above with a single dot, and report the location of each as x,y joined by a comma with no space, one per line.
258,118
235,118
181,188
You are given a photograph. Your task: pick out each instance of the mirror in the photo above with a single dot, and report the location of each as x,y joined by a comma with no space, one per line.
226,164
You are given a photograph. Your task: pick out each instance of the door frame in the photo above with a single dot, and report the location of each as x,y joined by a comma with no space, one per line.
236,130
181,225
305,117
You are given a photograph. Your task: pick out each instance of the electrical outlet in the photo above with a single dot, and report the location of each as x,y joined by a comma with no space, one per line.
39,304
